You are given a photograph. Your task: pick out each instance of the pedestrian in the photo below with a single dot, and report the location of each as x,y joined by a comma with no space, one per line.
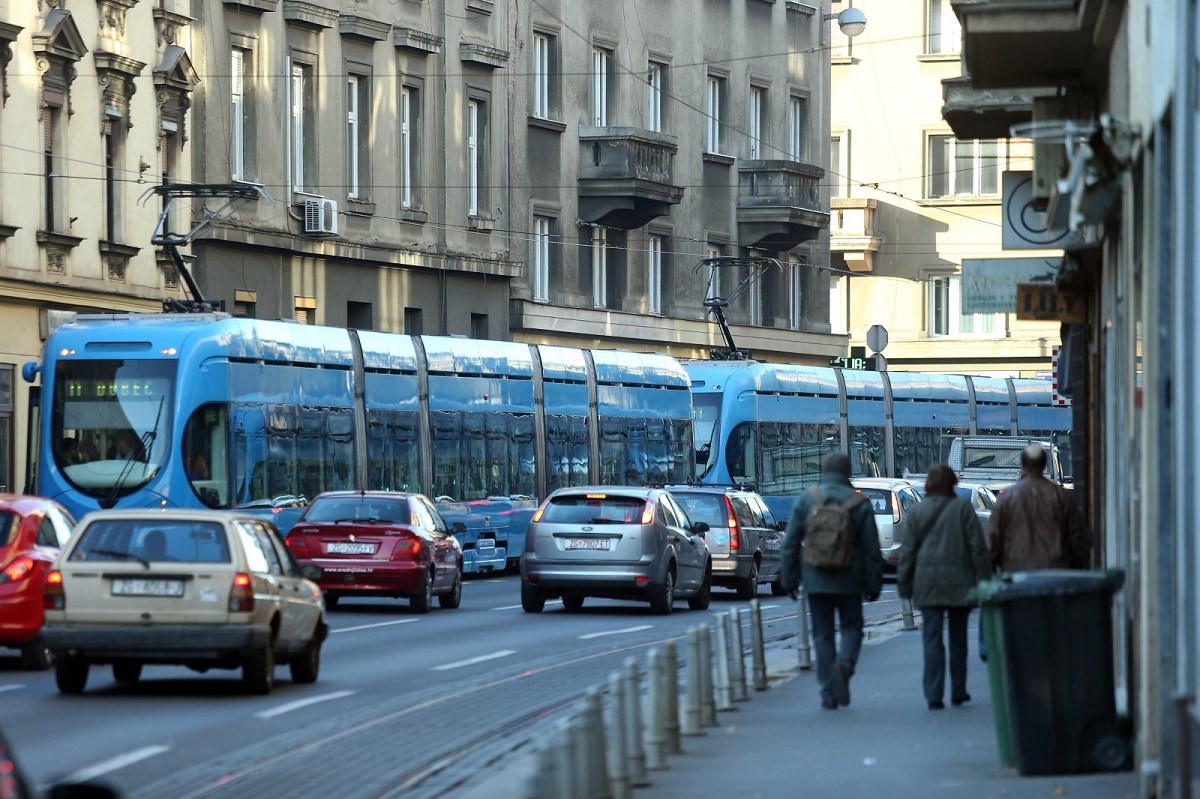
832,550
942,558
1035,524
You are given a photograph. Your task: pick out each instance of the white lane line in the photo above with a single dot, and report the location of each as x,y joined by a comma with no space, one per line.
118,762
503,653
15,687
299,703
768,607
637,629
376,624
514,607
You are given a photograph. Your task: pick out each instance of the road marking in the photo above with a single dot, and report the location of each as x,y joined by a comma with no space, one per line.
639,628
503,653
15,687
768,607
514,607
299,703
118,762
369,626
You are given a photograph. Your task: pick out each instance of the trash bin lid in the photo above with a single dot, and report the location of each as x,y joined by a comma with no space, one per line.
1051,582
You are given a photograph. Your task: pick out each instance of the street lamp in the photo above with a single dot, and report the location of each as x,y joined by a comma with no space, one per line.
852,21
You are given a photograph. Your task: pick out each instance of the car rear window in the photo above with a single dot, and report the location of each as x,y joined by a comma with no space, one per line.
153,540
707,508
362,510
594,509
881,499
9,524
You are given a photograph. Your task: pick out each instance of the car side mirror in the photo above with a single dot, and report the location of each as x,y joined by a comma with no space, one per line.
896,516
458,528
311,571
700,528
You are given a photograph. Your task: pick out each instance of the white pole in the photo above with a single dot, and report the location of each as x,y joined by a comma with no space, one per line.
758,652
633,727
692,714
618,765
724,693
708,705
674,745
803,641
655,716
737,652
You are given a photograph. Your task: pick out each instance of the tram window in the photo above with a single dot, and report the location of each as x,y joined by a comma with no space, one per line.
659,452
681,450
522,461
392,450
917,448
447,433
868,454
567,451
791,455
282,424
741,454
495,476
205,458
624,459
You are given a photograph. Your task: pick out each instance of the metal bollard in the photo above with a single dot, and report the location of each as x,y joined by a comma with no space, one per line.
803,640
618,763
737,652
596,773
636,754
906,611
582,761
536,785
757,650
564,761
670,700
655,717
708,705
724,692
692,715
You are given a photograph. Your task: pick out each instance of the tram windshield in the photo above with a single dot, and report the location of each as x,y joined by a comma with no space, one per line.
111,422
706,411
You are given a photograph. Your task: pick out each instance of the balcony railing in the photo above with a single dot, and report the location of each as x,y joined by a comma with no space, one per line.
626,176
779,204
852,231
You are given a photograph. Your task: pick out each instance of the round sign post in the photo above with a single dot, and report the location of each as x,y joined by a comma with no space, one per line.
877,338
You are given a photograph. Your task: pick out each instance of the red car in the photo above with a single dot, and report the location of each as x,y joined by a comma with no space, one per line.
380,543
32,530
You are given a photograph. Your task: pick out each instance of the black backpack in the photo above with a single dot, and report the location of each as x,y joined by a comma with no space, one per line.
830,536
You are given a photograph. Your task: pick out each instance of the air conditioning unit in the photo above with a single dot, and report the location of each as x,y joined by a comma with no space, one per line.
321,216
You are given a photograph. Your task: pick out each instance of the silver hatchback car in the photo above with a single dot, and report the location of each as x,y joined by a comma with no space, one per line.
616,543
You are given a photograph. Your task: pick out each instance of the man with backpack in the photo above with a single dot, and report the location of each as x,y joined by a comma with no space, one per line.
832,550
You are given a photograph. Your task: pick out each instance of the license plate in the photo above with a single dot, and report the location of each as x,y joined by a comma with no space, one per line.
588,543
349,549
122,587
486,543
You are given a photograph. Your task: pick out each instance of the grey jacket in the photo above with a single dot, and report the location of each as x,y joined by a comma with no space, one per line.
943,554
865,573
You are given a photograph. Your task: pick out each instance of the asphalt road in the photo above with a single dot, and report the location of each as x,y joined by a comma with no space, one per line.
407,705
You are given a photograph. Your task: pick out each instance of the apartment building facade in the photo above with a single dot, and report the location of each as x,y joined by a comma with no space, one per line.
911,201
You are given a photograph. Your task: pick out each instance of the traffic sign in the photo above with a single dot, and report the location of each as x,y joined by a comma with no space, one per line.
877,338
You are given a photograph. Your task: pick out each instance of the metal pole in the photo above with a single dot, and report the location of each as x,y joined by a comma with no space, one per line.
633,727
671,699
692,714
597,754
708,705
906,611
565,760
582,760
724,689
655,717
803,641
618,766
758,652
737,653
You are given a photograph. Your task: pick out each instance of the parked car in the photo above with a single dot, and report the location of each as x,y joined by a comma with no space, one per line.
743,536
381,543
32,531
891,499
981,497
202,589
617,543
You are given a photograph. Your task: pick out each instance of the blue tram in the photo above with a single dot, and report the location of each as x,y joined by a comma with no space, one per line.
213,411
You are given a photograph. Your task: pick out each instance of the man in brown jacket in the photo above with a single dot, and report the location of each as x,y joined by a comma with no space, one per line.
1035,525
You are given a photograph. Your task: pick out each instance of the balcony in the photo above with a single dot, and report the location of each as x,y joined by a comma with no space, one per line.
779,204
852,231
986,113
626,176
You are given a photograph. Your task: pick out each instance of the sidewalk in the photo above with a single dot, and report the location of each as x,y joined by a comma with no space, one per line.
885,745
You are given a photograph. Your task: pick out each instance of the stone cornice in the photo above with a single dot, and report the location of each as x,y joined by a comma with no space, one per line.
359,27
309,15
418,42
253,6
111,62
483,55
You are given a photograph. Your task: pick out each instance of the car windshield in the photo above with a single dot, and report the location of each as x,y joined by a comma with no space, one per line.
594,509
708,508
992,457
149,541
9,524
881,499
364,510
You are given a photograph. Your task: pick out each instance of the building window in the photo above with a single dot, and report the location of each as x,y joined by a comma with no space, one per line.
600,58
654,95
410,137
543,227
245,303
358,127
654,273
302,136
412,322
839,165
758,103
51,180
944,34
797,126
476,156
795,294
112,199
479,325
712,113
238,113
969,168
599,267
945,312
545,75
359,315
168,158
305,310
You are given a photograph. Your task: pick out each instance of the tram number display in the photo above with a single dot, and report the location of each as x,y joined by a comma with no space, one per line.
120,388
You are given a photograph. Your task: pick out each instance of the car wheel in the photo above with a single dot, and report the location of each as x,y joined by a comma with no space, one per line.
35,656
70,674
572,602
331,601
307,666
258,671
777,589
422,602
664,601
748,588
127,672
702,598
452,598
532,600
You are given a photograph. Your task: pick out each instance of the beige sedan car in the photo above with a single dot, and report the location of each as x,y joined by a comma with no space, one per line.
202,589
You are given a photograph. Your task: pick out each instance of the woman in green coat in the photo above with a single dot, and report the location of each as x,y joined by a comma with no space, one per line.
942,558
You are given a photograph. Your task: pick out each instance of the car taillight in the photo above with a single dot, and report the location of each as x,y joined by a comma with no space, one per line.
648,512
537,515
53,595
19,569
406,549
734,538
241,594
297,545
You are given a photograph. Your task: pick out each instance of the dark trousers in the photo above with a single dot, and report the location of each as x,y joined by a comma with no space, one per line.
850,620
934,680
